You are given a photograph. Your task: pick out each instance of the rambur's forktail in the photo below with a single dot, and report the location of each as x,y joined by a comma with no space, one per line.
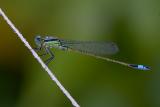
92,48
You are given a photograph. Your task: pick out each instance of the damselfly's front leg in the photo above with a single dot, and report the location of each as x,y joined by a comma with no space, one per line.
45,53
37,49
41,49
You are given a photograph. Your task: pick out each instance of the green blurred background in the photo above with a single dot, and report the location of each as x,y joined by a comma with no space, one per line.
133,24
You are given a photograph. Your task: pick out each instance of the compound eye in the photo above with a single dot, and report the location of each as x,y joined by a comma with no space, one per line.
38,40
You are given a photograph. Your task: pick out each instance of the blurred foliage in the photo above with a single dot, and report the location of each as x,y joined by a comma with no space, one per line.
132,24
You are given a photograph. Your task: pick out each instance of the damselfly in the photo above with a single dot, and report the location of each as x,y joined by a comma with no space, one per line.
92,48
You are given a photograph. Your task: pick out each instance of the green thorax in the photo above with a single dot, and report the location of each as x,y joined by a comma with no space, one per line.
54,44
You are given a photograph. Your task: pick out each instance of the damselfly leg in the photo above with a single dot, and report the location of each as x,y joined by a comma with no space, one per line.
40,49
48,51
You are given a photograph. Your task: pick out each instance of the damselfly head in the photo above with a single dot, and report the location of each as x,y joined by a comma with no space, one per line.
38,40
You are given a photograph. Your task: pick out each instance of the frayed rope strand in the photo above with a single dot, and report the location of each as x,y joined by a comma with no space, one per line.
52,76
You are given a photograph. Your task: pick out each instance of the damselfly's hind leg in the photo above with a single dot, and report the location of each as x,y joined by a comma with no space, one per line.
48,51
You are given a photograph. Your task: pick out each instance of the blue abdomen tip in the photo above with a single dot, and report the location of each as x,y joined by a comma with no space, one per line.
140,67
